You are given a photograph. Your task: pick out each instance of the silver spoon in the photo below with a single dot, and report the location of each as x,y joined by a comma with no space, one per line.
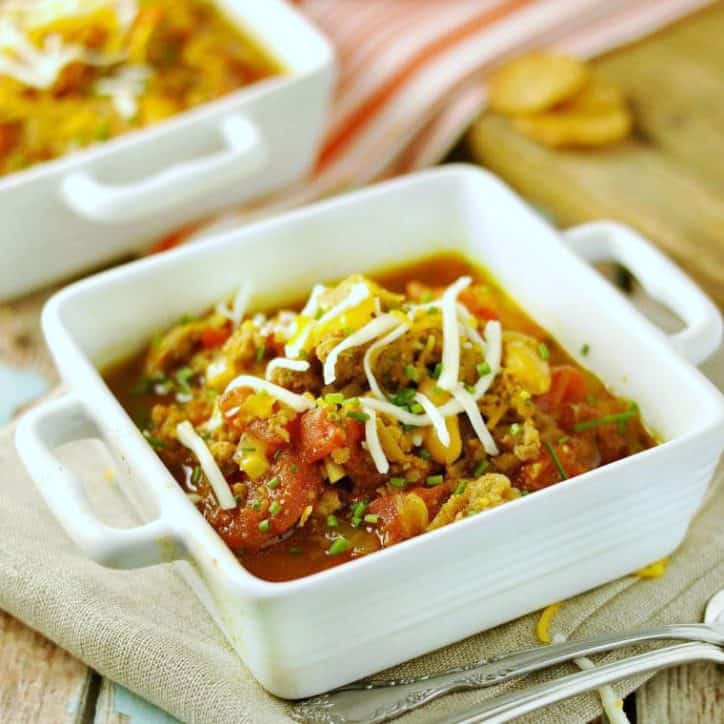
370,702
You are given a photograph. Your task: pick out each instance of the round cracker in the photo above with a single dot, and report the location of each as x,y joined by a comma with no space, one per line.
535,82
596,96
577,130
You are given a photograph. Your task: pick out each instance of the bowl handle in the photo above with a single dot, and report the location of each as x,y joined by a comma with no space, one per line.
660,277
245,153
61,421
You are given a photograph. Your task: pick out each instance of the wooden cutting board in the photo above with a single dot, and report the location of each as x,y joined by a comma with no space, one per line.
668,181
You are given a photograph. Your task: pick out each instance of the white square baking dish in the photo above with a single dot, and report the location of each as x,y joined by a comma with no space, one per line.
315,633
70,214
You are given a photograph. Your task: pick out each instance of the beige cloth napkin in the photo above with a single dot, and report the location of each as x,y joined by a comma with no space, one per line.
146,630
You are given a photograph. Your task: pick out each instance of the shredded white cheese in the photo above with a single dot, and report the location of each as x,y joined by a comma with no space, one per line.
612,704
374,446
298,365
451,335
296,402
308,312
125,88
312,305
238,309
493,355
216,420
437,420
365,334
358,293
469,404
38,13
370,354
188,437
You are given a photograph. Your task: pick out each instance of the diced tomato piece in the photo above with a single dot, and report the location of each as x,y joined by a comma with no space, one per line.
271,431
401,516
568,385
355,432
213,337
478,303
300,484
319,436
8,137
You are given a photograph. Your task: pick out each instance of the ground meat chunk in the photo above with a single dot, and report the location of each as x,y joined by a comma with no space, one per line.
299,382
529,445
488,491
242,348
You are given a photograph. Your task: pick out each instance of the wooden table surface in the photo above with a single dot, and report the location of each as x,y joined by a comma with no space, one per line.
668,182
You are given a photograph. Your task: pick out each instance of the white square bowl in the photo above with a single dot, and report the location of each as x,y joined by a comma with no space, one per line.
63,216
312,634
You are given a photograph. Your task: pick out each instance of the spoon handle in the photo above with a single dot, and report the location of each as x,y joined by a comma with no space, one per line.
377,701
504,708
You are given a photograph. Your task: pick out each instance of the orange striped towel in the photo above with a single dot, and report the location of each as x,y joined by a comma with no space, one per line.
412,76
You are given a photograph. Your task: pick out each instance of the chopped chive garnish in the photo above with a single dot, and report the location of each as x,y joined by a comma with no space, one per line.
359,508
481,467
483,368
361,416
543,351
411,373
563,440
184,376
352,401
260,352
334,398
332,521
426,297
403,398
264,526
355,522
433,480
398,482
585,349
424,454
255,504
417,408
294,468
371,518
319,313
154,441
460,488
433,310
248,449
607,419
470,389
556,461
621,426
196,474
339,545
275,507
515,429
295,550
274,483
437,371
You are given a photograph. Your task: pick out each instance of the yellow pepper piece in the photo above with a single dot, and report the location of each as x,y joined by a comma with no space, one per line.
653,570
253,456
544,623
